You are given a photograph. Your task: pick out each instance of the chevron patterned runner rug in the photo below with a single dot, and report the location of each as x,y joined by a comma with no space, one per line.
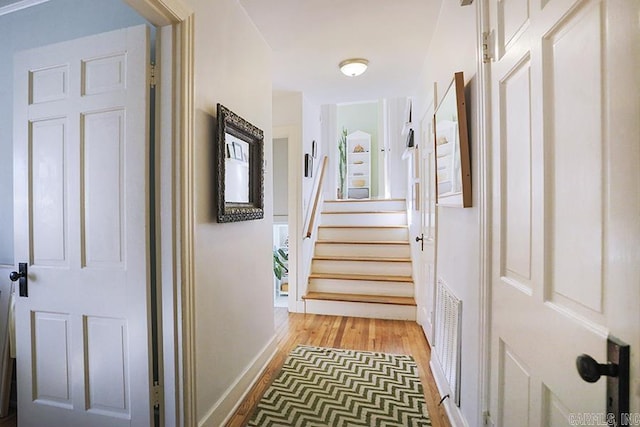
325,387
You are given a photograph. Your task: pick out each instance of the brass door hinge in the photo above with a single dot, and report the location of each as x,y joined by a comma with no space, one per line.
152,75
488,46
156,394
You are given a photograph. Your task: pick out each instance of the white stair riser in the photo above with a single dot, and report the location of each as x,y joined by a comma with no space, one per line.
361,287
361,309
364,206
363,234
384,268
383,218
363,250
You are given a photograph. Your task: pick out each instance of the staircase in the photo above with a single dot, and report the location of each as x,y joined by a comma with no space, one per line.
362,261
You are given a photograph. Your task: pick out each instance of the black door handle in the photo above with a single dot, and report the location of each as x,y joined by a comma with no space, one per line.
14,276
21,275
591,371
617,372
420,239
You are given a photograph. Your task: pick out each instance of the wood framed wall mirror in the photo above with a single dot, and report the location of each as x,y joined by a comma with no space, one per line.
240,154
453,160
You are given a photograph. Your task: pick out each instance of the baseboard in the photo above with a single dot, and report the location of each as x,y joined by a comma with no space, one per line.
424,320
456,419
226,406
297,307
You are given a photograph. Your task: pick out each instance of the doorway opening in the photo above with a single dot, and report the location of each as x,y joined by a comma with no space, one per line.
281,221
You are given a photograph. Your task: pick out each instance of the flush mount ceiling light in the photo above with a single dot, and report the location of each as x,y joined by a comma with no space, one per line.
353,67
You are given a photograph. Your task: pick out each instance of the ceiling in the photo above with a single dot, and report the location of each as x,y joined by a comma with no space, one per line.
310,37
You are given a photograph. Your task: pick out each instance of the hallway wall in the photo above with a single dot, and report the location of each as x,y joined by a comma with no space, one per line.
452,49
233,272
293,111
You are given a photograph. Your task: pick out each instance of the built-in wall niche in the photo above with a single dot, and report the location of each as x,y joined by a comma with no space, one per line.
358,165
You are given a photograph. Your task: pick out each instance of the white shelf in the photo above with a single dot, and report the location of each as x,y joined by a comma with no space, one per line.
358,165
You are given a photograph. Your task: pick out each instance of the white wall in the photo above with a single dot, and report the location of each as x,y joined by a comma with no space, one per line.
330,135
233,272
310,131
396,108
296,116
453,48
280,179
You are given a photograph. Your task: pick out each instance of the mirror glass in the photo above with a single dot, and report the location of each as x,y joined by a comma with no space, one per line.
236,174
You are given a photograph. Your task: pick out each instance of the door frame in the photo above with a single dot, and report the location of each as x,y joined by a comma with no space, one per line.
178,216
294,209
485,202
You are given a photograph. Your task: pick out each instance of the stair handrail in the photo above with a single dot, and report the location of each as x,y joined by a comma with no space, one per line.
316,198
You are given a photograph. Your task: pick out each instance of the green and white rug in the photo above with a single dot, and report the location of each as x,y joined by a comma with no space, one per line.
320,387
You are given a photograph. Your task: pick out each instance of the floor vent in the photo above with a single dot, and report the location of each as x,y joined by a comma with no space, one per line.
447,336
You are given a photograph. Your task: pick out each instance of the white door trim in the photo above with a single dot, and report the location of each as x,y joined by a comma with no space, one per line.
294,210
484,211
182,215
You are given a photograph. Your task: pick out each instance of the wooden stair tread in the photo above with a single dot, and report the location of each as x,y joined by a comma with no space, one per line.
363,242
373,277
364,200
363,226
359,258
377,299
360,212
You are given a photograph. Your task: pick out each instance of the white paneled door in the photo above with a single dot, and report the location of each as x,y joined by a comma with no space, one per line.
81,209
427,205
566,231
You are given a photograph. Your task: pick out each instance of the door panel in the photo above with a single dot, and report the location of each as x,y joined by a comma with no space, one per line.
573,100
563,279
103,146
106,355
49,190
51,370
515,388
516,152
81,176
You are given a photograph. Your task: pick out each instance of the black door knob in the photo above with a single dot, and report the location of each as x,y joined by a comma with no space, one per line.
14,276
591,371
21,275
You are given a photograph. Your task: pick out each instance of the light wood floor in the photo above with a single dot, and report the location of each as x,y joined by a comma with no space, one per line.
388,336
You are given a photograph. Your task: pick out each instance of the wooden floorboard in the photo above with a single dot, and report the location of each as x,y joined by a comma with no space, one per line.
292,329
388,336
